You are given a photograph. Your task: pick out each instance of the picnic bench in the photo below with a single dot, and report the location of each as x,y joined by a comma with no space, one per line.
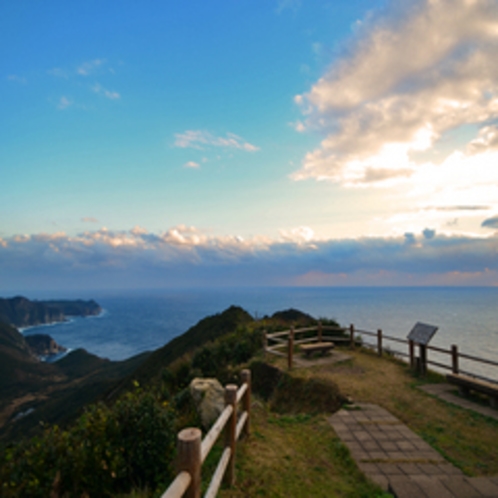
466,383
314,347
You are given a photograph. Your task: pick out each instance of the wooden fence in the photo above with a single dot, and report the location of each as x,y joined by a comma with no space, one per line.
288,339
192,452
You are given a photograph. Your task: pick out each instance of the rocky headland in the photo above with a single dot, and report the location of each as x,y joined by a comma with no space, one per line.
22,312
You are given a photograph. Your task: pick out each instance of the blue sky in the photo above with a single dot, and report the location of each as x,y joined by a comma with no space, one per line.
280,142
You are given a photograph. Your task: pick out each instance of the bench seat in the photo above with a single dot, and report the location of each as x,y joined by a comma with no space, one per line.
314,347
467,383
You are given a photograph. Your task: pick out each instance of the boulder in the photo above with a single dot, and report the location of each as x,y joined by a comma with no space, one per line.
209,399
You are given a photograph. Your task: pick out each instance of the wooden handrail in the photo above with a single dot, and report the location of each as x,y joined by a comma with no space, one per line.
379,347
192,452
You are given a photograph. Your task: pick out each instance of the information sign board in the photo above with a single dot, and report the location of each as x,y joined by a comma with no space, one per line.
422,333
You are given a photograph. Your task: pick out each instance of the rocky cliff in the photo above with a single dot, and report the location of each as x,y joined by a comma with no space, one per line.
22,312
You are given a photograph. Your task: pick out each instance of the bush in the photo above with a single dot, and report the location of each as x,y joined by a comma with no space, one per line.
108,450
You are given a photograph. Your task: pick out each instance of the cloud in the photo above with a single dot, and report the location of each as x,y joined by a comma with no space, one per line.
64,103
406,81
490,222
184,255
89,219
199,139
89,67
293,5
58,72
100,90
192,164
17,79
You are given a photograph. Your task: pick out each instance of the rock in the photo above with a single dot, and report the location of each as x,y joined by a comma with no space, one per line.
42,345
209,399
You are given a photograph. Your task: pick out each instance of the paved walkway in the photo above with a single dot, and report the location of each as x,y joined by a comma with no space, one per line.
393,456
445,391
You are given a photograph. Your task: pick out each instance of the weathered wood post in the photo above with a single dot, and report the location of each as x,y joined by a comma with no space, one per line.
454,359
379,342
265,341
411,345
246,400
290,348
320,331
189,459
230,432
423,359
351,338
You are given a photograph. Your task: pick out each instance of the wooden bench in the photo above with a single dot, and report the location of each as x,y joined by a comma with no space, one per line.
314,347
466,383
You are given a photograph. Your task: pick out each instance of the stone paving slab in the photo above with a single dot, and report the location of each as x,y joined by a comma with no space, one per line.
397,459
446,392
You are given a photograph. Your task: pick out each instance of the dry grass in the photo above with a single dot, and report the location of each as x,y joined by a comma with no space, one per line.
465,438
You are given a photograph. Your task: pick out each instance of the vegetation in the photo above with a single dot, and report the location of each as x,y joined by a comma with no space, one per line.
465,438
125,444
106,451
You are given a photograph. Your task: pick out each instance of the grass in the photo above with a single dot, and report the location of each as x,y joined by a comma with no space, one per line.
295,455
465,438
299,455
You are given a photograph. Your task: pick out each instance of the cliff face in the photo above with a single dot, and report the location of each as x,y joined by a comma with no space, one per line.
22,312
43,345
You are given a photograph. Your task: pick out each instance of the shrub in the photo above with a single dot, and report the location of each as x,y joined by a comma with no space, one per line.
108,450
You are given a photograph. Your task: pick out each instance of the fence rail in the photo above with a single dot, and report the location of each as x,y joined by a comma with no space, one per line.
286,339
192,452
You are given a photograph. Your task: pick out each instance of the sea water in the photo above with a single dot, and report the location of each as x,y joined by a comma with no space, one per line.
133,322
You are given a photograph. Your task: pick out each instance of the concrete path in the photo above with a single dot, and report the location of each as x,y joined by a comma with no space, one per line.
445,392
393,456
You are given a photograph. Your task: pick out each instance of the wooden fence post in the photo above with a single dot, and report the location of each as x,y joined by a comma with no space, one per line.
411,345
265,341
230,432
290,348
454,359
320,331
246,400
423,359
379,342
351,339
189,459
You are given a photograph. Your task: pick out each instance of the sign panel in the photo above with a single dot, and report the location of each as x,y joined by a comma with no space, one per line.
422,333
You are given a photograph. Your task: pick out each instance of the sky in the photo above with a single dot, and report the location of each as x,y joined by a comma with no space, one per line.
252,142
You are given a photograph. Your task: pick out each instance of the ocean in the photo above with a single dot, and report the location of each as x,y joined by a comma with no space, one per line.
137,321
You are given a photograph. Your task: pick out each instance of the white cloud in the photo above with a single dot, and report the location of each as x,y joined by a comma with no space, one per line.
192,164
404,85
17,79
64,103
293,5
100,90
200,139
58,72
89,219
185,254
89,67
299,235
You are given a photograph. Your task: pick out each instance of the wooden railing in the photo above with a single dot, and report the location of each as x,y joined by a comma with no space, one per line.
288,339
192,451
